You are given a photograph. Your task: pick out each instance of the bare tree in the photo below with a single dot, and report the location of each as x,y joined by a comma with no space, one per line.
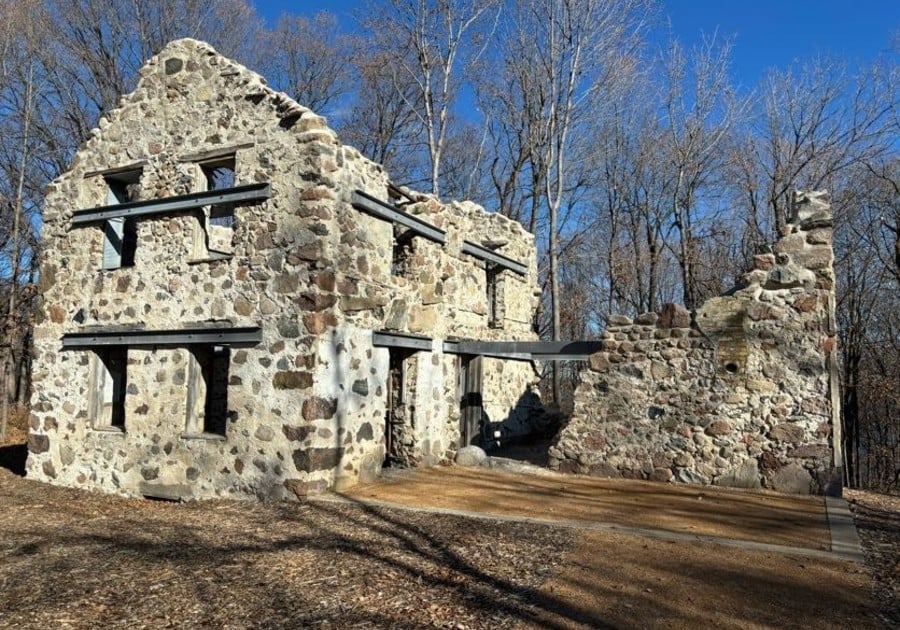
701,110
631,225
381,123
869,318
814,123
513,112
311,60
431,43
17,116
566,54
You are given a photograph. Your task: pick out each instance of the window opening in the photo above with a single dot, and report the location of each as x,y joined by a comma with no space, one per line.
471,376
402,255
120,233
398,416
110,369
219,176
494,286
215,237
208,390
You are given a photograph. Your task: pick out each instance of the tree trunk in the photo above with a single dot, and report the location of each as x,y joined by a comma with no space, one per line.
10,371
554,294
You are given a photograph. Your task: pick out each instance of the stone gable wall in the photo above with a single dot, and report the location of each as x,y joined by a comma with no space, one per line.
737,394
306,407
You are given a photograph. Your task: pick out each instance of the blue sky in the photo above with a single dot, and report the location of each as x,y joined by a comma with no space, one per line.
768,33
774,33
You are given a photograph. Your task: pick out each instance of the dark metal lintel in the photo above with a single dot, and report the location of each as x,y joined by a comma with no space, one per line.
484,253
248,193
180,337
375,207
401,340
554,350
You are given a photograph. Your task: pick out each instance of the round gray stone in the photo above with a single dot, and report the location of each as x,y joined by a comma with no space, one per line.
470,456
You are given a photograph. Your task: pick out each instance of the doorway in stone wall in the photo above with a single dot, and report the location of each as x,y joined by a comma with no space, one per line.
398,438
471,409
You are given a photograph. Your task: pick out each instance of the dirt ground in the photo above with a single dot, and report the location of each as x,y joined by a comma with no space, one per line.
771,518
627,581
622,582
72,559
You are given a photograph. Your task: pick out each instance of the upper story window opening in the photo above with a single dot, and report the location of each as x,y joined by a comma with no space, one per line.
495,289
120,233
214,238
219,176
403,250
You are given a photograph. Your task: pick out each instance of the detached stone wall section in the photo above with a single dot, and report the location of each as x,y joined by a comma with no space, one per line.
306,408
737,394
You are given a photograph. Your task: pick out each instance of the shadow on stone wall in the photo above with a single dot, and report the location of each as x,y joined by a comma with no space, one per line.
526,432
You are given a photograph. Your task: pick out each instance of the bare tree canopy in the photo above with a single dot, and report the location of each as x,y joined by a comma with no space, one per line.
311,60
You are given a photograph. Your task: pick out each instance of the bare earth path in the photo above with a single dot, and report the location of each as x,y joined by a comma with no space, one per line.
651,582
770,518
70,559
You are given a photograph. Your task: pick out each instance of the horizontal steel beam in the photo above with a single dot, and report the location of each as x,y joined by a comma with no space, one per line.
400,340
510,356
472,249
512,350
554,350
248,193
179,337
377,208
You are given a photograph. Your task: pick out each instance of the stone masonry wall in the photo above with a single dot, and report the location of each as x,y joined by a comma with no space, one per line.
307,406
737,394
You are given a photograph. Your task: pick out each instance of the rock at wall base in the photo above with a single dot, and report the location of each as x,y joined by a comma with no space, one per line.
686,475
167,491
303,489
744,476
793,479
470,456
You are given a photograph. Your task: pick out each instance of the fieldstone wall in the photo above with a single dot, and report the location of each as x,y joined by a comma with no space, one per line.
737,394
306,407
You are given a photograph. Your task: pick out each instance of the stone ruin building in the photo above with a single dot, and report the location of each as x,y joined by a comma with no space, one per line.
235,304
742,393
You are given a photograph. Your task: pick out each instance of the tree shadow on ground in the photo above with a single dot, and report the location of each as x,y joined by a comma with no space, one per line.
127,563
482,588
270,559
12,457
